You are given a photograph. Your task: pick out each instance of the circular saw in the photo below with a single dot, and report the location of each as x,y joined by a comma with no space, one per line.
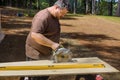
62,55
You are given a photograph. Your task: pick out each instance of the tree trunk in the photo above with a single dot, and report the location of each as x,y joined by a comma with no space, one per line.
30,5
10,2
51,2
75,6
25,3
118,9
86,10
37,4
93,6
98,7
110,8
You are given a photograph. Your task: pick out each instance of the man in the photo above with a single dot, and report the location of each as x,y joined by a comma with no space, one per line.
1,36
45,33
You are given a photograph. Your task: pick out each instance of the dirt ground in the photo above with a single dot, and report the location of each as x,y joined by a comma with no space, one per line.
85,35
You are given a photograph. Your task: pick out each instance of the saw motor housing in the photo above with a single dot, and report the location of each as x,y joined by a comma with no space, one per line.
62,55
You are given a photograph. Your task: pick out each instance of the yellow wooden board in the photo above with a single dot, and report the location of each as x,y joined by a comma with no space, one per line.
92,65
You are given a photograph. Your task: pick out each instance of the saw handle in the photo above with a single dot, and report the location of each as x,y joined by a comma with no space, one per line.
60,46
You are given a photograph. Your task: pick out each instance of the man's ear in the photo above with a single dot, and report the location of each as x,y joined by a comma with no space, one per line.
57,7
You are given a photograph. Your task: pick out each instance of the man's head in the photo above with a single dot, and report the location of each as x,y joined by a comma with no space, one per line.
63,4
62,7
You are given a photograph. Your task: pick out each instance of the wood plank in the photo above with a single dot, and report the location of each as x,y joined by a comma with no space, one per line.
107,69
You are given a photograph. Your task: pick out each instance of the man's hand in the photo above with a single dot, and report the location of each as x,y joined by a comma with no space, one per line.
55,46
62,54
60,50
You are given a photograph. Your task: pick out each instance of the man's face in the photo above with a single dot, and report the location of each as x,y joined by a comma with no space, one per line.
61,12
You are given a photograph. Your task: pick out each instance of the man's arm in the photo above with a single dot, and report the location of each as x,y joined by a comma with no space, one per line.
41,39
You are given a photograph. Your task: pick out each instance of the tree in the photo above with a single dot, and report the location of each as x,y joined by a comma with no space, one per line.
110,7
10,2
75,6
51,2
83,2
87,7
98,7
93,6
118,9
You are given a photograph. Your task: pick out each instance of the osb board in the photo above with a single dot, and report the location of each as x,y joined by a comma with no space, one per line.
107,69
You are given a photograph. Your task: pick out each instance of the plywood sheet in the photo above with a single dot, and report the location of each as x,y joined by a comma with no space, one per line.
91,60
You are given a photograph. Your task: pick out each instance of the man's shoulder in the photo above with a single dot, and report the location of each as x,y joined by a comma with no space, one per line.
43,13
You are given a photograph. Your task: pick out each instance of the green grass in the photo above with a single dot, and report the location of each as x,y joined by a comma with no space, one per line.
111,18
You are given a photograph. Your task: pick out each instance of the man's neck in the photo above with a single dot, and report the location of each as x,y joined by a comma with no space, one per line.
51,10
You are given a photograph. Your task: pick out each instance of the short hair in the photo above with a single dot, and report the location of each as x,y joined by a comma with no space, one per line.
63,4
